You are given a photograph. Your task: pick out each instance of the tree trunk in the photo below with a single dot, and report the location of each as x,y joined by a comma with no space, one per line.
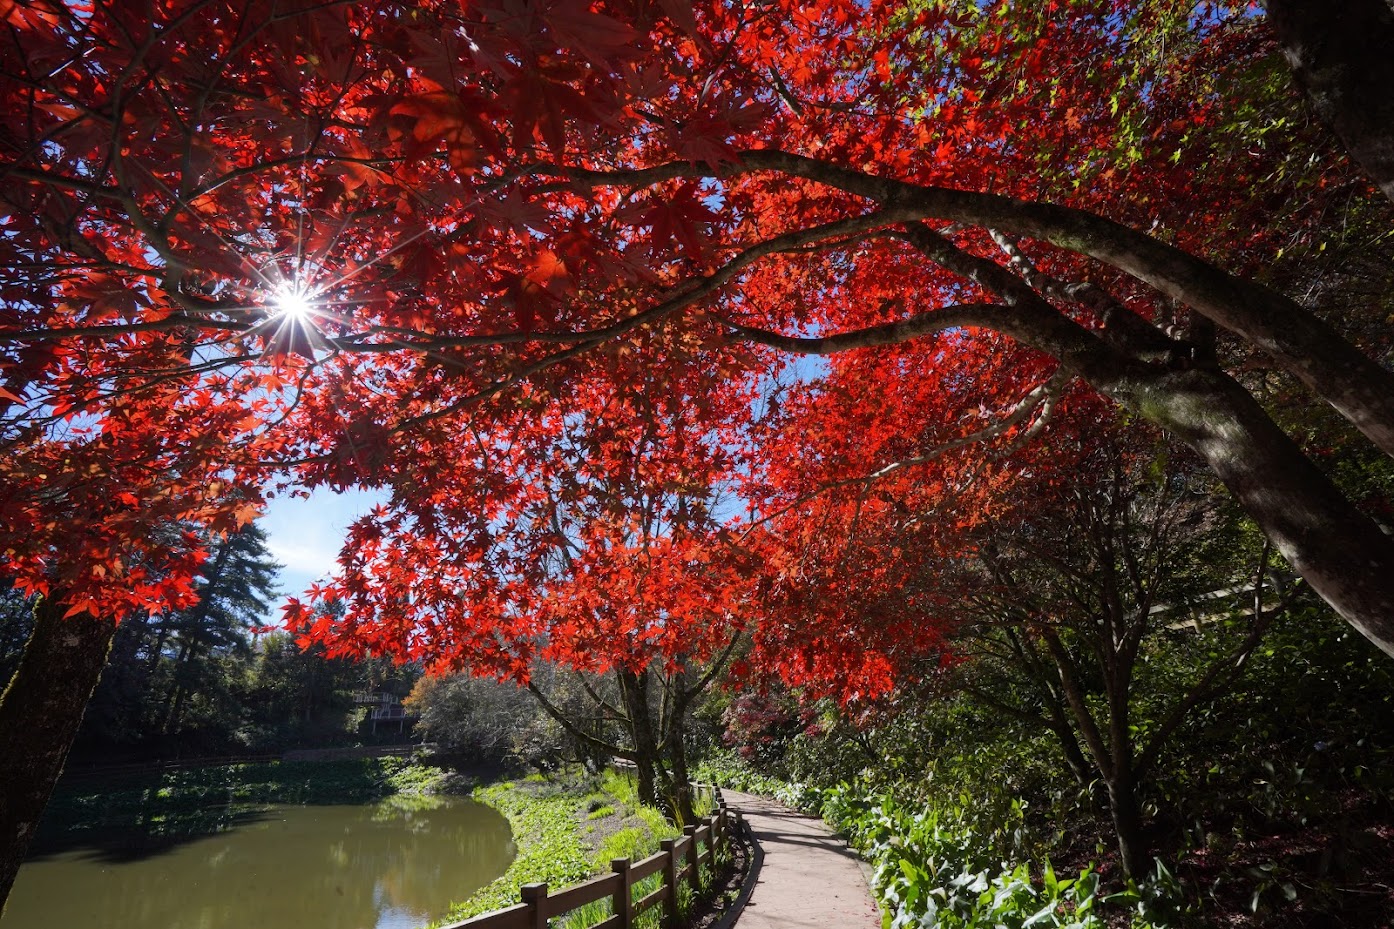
1337,549
40,713
644,783
1057,716
683,807
157,650
1133,852
655,788
1079,766
191,638
1342,54
174,700
1112,759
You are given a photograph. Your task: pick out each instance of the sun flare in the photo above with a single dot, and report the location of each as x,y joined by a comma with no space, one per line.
294,302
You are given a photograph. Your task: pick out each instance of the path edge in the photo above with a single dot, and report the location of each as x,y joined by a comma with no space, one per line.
757,859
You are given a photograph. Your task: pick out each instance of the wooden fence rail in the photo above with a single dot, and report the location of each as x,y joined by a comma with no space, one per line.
678,859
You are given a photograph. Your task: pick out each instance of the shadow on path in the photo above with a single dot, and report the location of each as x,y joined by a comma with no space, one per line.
808,877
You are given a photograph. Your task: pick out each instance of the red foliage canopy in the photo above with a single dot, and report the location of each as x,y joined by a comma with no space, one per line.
549,253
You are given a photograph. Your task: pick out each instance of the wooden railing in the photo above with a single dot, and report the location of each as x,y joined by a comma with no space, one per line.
678,860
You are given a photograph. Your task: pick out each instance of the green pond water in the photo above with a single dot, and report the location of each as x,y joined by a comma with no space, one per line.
386,865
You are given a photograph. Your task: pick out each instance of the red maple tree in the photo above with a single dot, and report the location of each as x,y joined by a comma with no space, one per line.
250,238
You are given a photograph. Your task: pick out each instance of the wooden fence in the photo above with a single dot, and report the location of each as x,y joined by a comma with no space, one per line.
678,860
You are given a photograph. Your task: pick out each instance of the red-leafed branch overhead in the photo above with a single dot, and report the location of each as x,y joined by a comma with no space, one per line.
476,253
541,271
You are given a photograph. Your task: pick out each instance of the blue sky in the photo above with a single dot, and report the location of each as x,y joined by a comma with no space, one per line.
304,535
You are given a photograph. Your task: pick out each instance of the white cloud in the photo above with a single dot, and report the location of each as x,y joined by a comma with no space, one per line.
305,535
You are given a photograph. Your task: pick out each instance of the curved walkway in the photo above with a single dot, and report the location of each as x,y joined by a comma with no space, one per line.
808,878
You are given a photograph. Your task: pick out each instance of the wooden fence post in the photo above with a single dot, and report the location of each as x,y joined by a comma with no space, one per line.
624,894
670,879
678,855
533,895
710,823
691,833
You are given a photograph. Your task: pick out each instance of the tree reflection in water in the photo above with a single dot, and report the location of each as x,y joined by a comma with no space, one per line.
394,864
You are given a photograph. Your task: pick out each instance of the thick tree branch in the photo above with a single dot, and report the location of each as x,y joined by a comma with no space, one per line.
599,700
962,316
1078,702
575,731
1357,386
1132,334
62,181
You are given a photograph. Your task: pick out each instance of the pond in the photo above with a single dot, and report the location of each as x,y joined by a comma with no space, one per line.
394,864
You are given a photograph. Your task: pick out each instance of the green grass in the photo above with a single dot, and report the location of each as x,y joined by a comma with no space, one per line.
551,820
638,839
620,786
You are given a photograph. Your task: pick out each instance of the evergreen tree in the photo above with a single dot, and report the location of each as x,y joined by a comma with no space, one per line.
238,588
175,682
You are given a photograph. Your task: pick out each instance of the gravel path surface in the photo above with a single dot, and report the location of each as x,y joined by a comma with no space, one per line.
808,879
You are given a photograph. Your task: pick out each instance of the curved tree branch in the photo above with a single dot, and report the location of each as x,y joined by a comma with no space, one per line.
575,731
1306,346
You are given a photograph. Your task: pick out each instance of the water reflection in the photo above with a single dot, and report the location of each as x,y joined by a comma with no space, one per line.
389,865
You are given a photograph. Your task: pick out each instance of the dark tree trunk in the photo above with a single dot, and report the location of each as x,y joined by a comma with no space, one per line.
683,807
653,782
1057,711
191,638
40,713
1341,552
1133,851
644,782
173,711
1069,746
157,650
1112,754
1342,54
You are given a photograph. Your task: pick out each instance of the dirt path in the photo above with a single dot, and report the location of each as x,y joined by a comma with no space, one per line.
808,879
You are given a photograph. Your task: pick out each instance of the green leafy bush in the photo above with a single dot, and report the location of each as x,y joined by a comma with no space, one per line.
726,770
956,864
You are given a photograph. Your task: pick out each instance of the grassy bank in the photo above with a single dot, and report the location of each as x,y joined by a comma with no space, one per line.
197,801
567,828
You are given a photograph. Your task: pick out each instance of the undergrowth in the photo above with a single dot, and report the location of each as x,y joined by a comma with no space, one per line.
942,865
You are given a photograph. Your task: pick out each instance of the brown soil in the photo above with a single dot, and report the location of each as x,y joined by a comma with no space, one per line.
714,906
